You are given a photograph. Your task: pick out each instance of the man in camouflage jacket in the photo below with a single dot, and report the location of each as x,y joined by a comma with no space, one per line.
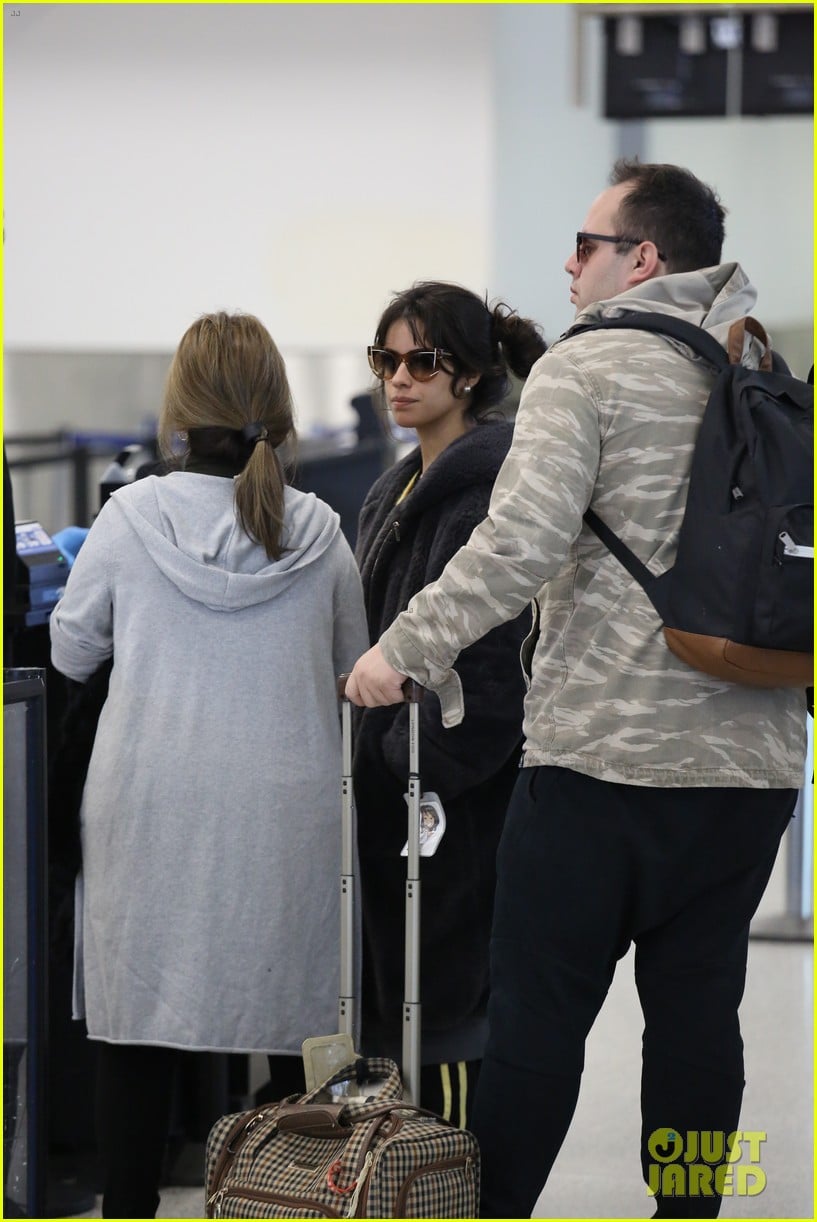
652,798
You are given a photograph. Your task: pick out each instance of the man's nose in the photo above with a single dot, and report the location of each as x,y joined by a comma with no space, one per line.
572,265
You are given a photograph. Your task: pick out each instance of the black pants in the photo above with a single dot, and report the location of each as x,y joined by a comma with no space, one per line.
584,868
134,1090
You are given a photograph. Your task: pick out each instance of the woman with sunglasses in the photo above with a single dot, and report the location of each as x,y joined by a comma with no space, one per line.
442,357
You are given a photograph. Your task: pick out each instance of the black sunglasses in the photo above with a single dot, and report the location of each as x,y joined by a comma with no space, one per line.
584,244
422,363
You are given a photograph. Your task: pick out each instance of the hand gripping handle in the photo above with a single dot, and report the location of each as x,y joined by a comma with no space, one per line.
412,691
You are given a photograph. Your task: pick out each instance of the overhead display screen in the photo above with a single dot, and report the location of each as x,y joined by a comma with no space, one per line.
653,69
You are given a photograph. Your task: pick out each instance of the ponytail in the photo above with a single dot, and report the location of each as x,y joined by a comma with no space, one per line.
521,339
260,498
227,389
515,345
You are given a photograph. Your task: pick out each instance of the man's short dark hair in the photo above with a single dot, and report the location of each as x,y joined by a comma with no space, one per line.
669,206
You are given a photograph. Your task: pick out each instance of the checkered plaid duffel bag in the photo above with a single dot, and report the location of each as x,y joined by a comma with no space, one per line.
349,1149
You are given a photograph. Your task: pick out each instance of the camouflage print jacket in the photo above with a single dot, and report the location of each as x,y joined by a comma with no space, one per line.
608,420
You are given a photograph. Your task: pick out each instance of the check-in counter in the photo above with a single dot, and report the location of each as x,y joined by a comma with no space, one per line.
25,920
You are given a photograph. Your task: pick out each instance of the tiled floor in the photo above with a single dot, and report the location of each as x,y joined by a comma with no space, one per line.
597,1174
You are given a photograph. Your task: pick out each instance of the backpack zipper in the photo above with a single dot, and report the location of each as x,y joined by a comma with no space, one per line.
790,548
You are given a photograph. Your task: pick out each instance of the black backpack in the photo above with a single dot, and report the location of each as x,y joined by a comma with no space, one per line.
737,603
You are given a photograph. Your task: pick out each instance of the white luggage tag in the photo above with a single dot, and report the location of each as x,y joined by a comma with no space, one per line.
432,824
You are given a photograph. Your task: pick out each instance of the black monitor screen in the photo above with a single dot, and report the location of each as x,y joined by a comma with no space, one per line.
662,81
779,81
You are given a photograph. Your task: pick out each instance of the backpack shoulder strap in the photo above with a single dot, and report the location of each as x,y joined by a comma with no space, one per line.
694,337
688,333
620,550
655,588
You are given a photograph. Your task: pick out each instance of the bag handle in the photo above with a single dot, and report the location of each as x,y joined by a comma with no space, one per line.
313,1119
381,1070
412,694
737,338
337,1119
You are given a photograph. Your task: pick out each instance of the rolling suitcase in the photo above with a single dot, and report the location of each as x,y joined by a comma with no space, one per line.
358,1145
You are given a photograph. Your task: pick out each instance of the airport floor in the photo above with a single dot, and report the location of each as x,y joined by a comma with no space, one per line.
597,1174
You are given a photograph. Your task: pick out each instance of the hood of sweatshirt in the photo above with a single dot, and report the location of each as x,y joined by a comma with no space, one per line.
188,526
712,298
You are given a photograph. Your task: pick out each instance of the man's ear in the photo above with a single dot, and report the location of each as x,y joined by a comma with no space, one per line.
645,264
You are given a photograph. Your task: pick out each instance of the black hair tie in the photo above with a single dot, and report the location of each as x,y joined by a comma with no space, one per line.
254,432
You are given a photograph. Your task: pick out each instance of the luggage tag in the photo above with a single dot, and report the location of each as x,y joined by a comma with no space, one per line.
432,824
324,1055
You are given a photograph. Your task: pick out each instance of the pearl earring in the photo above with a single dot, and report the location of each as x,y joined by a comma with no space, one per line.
466,390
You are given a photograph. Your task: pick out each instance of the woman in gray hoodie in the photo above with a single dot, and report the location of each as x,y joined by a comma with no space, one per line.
207,914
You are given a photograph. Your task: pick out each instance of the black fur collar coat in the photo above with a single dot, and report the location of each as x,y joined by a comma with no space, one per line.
473,767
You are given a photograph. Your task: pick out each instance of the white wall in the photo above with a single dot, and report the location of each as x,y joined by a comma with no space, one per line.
553,153
763,169
304,161
299,161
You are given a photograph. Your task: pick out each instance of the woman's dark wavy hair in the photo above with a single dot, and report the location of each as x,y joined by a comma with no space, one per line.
482,339
669,206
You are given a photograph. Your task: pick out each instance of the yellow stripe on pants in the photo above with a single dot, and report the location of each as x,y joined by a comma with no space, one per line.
462,1072
446,1084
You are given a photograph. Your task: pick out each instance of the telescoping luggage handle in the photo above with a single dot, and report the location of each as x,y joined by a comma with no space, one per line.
412,694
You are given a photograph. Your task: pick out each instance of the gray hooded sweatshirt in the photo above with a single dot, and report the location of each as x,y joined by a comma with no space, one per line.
207,913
